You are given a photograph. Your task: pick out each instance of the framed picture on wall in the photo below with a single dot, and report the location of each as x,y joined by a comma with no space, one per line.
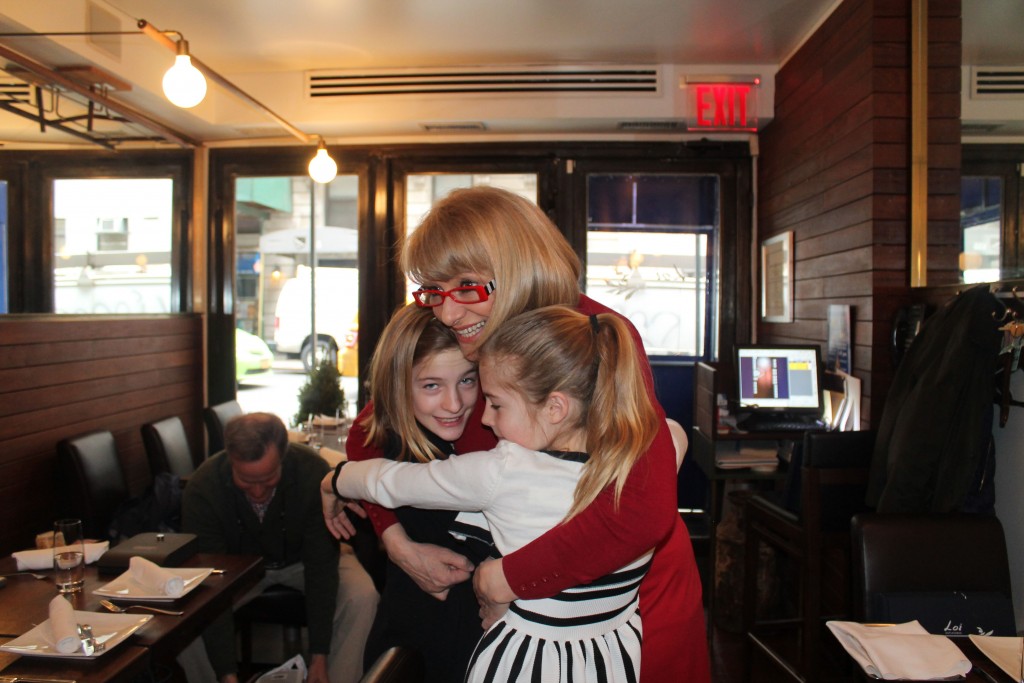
777,278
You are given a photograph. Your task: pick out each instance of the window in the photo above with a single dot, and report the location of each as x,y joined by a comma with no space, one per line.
422,190
990,245
650,246
296,242
980,228
107,263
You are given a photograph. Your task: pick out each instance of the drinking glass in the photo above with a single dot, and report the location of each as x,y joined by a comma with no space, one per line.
315,440
68,555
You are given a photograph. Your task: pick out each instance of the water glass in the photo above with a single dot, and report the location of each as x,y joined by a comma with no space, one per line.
68,555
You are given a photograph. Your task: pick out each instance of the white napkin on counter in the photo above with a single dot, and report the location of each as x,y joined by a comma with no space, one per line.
154,577
42,558
63,626
901,651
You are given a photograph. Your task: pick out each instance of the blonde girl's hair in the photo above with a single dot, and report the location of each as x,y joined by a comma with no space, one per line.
594,360
412,335
496,233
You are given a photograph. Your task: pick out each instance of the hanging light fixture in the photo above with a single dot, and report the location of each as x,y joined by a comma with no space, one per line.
184,84
322,168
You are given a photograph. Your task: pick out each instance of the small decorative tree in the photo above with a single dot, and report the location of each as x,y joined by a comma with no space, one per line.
322,393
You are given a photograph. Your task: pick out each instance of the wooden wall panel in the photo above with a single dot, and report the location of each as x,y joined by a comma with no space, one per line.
61,376
834,169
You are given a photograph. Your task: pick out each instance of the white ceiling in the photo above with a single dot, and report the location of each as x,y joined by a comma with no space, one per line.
267,47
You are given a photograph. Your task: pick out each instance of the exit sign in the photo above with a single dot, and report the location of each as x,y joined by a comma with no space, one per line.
722,106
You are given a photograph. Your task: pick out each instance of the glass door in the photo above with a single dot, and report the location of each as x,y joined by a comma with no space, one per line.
296,287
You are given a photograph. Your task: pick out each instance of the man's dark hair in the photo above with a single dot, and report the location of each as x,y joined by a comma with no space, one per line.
248,436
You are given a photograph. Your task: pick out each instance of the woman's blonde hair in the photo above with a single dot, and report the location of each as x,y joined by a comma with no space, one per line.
412,335
494,232
594,360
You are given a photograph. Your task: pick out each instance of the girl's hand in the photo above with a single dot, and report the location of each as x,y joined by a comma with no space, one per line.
433,568
334,507
492,591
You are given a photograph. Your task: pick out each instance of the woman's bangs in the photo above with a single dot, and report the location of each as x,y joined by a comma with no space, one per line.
436,260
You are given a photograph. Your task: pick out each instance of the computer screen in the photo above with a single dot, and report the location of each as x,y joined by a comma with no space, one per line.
781,379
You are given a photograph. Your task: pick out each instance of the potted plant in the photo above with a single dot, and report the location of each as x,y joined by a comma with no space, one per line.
321,394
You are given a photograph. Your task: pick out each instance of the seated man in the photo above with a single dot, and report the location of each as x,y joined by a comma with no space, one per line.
261,496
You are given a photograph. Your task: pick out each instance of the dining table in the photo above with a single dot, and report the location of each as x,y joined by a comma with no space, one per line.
24,603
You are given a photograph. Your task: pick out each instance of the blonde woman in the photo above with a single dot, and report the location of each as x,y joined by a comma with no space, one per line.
481,256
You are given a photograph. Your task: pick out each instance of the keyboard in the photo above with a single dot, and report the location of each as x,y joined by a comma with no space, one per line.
770,424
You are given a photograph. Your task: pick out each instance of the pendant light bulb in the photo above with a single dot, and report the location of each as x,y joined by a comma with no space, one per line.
322,168
184,85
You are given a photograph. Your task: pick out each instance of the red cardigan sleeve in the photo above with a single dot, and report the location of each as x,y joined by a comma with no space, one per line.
645,517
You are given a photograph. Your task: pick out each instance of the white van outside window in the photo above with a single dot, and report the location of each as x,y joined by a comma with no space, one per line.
337,306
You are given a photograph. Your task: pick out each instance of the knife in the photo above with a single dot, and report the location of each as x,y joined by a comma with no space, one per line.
34,679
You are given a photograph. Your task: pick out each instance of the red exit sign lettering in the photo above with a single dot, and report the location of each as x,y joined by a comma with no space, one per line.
724,106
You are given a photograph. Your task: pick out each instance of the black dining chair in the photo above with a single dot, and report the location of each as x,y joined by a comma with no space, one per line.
947,571
91,480
167,447
397,664
217,417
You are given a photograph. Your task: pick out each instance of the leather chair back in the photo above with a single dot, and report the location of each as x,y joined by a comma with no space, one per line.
927,553
92,480
396,665
217,417
167,447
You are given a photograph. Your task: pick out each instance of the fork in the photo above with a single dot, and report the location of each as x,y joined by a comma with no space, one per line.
121,610
32,574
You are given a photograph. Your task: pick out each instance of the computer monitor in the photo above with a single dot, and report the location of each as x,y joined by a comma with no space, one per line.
782,379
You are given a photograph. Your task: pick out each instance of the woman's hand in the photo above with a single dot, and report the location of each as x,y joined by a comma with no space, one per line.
433,568
334,506
492,591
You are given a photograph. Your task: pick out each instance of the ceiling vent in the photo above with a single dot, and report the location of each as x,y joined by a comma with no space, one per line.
454,127
15,89
997,82
979,128
513,80
652,126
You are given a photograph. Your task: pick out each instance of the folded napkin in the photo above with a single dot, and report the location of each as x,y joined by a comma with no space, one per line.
63,626
901,651
154,577
42,558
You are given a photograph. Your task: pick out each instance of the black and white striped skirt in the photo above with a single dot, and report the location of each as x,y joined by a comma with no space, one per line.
589,634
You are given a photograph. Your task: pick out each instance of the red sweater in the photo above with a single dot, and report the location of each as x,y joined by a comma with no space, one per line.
674,639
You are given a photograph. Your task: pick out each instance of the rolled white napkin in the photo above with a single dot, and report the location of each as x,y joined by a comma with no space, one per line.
63,626
42,558
901,651
154,577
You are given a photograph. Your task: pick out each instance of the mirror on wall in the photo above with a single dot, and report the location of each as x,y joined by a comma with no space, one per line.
986,245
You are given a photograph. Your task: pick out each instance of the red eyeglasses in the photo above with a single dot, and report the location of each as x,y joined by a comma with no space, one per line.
470,294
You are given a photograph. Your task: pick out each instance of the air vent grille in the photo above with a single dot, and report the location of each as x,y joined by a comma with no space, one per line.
653,126
508,81
1002,82
455,127
13,89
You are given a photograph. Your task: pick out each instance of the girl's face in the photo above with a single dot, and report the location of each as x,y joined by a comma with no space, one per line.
444,390
466,320
508,414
